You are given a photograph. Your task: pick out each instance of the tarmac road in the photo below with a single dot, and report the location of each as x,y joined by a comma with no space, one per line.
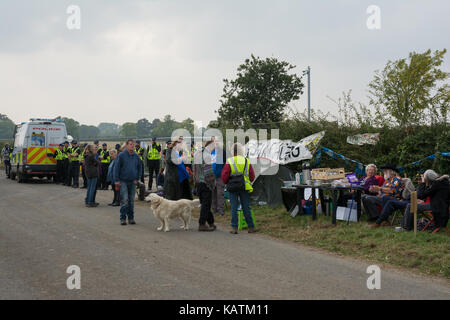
45,228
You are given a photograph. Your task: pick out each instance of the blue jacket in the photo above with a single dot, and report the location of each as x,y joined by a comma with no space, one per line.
128,167
110,176
182,172
217,167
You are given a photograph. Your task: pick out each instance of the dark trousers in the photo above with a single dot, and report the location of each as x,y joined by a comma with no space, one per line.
59,171
7,167
66,175
142,175
99,180
389,206
408,216
74,173
104,184
186,192
83,174
153,167
205,195
116,198
370,205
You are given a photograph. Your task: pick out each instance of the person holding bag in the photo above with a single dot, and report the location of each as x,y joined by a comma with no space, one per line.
238,174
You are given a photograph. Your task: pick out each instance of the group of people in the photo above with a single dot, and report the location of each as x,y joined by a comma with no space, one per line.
385,194
180,173
210,171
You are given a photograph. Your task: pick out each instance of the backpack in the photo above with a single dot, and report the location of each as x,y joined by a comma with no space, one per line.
236,183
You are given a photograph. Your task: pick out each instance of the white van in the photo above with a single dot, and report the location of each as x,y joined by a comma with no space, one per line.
34,141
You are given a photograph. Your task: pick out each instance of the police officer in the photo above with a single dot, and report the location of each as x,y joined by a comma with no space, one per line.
74,158
104,160
153,161
140,151
58,155
66,164
6,151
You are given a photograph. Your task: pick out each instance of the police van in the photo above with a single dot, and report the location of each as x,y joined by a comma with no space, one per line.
35,142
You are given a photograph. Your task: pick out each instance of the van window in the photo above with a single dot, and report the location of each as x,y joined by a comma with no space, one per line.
37,139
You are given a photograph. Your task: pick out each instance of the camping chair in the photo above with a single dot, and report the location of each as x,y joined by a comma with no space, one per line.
429,215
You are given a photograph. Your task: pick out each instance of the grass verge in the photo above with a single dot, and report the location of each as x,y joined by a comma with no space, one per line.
427,253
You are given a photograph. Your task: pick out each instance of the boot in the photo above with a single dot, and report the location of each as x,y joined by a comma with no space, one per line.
204,227
212,225
234,231
252,230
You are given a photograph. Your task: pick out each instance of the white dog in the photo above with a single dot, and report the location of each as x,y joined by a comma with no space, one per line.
164,210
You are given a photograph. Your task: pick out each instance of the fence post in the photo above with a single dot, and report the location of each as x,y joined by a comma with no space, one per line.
413,209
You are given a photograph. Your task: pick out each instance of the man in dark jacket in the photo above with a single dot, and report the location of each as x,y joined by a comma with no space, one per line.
127,171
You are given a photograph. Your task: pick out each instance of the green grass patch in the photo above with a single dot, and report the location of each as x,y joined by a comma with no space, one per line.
427,253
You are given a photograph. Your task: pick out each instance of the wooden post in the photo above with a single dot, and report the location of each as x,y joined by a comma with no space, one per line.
413,209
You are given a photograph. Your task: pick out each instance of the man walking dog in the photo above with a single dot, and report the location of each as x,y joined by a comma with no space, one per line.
127,171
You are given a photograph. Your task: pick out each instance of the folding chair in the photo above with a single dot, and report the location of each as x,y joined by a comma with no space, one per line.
429,215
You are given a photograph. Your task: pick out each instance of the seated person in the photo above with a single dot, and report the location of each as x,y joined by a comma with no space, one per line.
437,188
391,204
366,182
391,189
370,179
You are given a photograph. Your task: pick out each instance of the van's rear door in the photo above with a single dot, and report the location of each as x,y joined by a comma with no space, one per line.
56,134
36,153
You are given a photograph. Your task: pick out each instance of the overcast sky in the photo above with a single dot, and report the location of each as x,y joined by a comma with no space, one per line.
139,58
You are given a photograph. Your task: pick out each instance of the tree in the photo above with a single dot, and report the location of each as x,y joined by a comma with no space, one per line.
259,94
6,127
405,88
128,130
88,132
188,124
108,129
72,127
166,127
144,128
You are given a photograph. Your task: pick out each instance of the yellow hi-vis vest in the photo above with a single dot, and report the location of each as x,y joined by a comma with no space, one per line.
237,164
138,151
73,150
102,154
153,153
65,151
59,155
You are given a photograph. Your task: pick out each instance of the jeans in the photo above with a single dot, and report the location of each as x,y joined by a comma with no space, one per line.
389,206
127,193
91,190
244,197
205,196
